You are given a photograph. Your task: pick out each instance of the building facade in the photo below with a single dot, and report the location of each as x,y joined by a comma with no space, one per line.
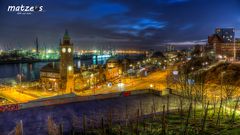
61,76
66,63
227,34
64,76
224,45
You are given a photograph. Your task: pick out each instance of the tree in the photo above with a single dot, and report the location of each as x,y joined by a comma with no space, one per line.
53,128
229,88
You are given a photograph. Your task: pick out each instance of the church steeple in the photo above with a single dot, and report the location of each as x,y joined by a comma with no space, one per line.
66,33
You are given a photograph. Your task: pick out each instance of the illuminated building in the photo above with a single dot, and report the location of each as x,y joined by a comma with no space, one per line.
113,68
170,48
226,34
61,76
223,44
90,78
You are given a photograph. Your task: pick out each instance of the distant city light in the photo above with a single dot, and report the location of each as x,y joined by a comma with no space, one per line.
175,72
220,56
49,51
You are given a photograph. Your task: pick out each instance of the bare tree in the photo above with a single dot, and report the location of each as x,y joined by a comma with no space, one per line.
19,128
53,128
229,88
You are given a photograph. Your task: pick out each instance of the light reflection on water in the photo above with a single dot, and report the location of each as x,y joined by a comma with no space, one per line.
9,72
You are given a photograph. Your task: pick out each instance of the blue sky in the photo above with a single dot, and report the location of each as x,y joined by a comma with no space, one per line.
120,23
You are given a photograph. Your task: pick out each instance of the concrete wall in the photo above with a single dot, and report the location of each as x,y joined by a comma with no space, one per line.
73,98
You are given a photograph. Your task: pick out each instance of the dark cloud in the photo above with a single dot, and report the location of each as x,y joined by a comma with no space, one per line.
121,23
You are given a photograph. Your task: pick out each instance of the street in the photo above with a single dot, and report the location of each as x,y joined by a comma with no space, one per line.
155,80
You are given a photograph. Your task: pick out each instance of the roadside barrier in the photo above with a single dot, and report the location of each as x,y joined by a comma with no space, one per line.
74,98
10,107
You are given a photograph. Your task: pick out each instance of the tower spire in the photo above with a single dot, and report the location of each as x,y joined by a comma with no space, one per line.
66,36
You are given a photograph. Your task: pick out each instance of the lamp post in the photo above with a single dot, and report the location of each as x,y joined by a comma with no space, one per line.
234,45
222,73
151,86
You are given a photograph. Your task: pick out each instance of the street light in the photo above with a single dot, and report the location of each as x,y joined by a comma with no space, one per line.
222,73
234,44
69,68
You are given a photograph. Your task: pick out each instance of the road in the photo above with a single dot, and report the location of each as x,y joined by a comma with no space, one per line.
155,80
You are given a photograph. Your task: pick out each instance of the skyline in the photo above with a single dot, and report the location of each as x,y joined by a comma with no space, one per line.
122,24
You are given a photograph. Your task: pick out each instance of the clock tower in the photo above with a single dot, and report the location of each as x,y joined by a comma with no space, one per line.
66,64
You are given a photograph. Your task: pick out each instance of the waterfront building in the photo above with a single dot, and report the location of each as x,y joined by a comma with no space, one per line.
113,68
66,77
61,76
90,77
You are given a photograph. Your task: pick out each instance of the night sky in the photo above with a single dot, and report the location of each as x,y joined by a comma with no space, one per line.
139,24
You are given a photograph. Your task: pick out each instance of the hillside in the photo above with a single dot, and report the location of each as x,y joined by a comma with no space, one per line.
230,73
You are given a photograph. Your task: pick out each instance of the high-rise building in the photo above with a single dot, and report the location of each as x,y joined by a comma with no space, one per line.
227,34
170,48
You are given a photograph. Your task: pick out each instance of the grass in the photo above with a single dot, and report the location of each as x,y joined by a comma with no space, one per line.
175,125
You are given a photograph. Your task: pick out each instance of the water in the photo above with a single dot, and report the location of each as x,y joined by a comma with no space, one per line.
31,72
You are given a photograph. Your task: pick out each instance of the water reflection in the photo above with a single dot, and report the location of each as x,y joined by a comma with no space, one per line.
30,72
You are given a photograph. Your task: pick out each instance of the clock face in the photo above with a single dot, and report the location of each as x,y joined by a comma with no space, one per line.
69,50
63,50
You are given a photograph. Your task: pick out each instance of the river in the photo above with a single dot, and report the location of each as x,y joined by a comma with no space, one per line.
31,72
